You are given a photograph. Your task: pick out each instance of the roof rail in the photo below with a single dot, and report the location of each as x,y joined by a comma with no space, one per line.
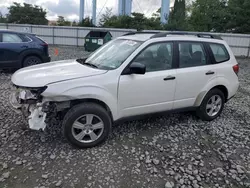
201,35
140,32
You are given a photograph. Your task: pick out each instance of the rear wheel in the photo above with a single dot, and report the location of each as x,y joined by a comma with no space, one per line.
212,105
86,125
31,60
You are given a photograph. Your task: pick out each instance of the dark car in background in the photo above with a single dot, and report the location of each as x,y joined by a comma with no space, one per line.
18,49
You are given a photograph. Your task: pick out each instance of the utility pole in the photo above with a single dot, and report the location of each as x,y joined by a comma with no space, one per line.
94,12
124,7
81,13
121,7
128,7
165,9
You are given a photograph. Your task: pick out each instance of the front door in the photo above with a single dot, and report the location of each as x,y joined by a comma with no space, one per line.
153,91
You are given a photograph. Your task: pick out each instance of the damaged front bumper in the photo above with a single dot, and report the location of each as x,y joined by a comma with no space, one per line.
26,103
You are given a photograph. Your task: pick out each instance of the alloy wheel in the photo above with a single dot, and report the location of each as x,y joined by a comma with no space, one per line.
87,128
214,105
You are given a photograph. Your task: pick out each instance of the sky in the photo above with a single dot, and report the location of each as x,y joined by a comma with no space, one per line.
70,8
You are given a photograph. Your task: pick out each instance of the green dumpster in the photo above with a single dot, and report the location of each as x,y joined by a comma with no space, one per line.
95,39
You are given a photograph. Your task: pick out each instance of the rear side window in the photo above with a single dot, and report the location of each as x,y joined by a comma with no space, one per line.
191,54
11,38
26,38
220,53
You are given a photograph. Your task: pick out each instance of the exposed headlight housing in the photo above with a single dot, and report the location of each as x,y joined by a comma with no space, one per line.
25,93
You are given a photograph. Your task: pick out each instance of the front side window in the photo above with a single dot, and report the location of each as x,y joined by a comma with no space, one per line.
11,38
113,54
156,57
191,54
220,53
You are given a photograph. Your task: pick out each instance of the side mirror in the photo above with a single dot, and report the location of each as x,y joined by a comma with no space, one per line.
135,68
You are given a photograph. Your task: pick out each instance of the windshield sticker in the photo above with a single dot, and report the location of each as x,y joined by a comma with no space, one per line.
94,41
131,43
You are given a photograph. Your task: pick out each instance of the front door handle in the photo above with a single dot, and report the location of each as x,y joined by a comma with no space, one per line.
210,73
169,78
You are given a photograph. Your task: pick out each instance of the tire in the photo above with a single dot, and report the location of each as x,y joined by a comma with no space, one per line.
208,110
75,123
31,60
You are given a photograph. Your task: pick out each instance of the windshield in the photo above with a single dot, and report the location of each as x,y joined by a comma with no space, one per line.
113,54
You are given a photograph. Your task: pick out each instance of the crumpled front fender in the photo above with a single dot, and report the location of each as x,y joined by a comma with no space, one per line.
83,92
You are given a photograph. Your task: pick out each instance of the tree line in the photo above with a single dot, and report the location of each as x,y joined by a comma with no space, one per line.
32,14
199,15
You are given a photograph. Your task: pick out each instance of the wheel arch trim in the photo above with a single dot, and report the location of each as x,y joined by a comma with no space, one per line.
214,84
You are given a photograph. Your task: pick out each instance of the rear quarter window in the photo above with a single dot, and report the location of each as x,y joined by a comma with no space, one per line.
220,52
26,38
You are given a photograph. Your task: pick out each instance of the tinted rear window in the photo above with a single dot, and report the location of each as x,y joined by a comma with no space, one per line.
192,54
220,52
25,38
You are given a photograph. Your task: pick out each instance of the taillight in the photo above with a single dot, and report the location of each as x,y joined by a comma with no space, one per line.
45,48
44,44
236,69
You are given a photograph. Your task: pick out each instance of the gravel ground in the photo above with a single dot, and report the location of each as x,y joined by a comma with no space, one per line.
176,150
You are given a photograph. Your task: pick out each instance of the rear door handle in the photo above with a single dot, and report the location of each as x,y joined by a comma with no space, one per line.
210,73
169,78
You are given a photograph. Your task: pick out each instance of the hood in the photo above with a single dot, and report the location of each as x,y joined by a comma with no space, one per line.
44,74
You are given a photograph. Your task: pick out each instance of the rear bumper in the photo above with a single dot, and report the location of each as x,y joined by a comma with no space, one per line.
46,59
234,89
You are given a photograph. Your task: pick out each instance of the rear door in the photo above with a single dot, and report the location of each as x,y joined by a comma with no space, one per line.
194,72
10,47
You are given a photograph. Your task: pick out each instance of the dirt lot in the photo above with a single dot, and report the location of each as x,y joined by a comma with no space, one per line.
175,150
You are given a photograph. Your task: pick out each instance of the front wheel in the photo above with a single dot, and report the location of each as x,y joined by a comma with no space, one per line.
87,125
212,105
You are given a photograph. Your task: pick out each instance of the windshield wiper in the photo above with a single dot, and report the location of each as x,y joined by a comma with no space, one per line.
82,61
90,64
